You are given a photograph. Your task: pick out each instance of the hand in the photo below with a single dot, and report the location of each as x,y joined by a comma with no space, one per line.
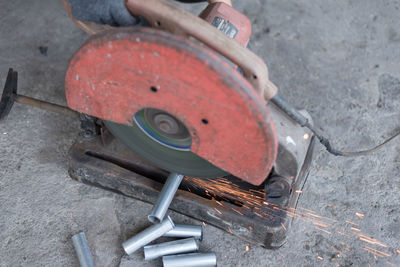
111,12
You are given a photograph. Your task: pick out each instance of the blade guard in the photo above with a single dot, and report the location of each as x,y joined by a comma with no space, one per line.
117,73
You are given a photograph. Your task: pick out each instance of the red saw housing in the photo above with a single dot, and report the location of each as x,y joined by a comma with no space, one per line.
117,73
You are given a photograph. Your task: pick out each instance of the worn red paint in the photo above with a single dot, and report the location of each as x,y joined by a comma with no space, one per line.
111,75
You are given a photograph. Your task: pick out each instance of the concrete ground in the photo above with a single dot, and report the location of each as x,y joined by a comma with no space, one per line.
338,59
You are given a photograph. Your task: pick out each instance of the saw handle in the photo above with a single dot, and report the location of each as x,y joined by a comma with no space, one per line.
163,15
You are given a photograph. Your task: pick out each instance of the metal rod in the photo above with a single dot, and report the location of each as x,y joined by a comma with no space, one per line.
45,105
190,260
170,248
185,230
82,250
164,199
146,236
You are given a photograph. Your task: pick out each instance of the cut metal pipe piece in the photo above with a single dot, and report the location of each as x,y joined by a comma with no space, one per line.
191,260
184,230
146,236
166,195
82,250
170,248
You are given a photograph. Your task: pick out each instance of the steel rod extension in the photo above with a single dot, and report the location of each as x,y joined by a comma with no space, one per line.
82,250
170,248
26,100
164,199
185,230
191,260
146,236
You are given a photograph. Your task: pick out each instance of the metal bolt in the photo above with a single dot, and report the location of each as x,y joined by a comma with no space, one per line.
87,134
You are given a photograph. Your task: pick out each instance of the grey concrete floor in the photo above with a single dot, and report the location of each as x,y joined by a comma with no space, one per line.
338,59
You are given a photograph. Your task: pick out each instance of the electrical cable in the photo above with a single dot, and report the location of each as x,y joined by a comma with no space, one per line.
304,122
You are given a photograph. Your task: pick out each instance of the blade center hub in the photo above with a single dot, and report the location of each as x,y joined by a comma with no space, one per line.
166,124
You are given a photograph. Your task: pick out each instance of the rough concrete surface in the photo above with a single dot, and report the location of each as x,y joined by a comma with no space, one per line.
340,60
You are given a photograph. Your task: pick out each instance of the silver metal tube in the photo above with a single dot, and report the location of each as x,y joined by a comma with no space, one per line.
146,236
185,230
82,250
170,248
164,199
190,260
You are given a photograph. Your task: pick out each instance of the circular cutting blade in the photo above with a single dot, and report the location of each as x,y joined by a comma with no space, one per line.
174,160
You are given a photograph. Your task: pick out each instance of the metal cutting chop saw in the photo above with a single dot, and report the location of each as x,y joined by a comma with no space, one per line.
184,94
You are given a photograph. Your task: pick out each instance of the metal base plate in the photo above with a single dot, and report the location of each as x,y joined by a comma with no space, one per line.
114,167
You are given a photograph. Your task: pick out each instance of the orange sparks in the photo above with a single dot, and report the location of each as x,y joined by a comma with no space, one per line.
291,215
337,250
238,212
253,200
323,230
398,251
259,215
315,215
204,224
247,207
220,213
320,224
389,263
367,240
371,240
377,252
306,136
359,215
306,209
374,254
349,222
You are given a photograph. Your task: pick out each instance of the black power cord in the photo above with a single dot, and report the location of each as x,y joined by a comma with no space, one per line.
304,122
